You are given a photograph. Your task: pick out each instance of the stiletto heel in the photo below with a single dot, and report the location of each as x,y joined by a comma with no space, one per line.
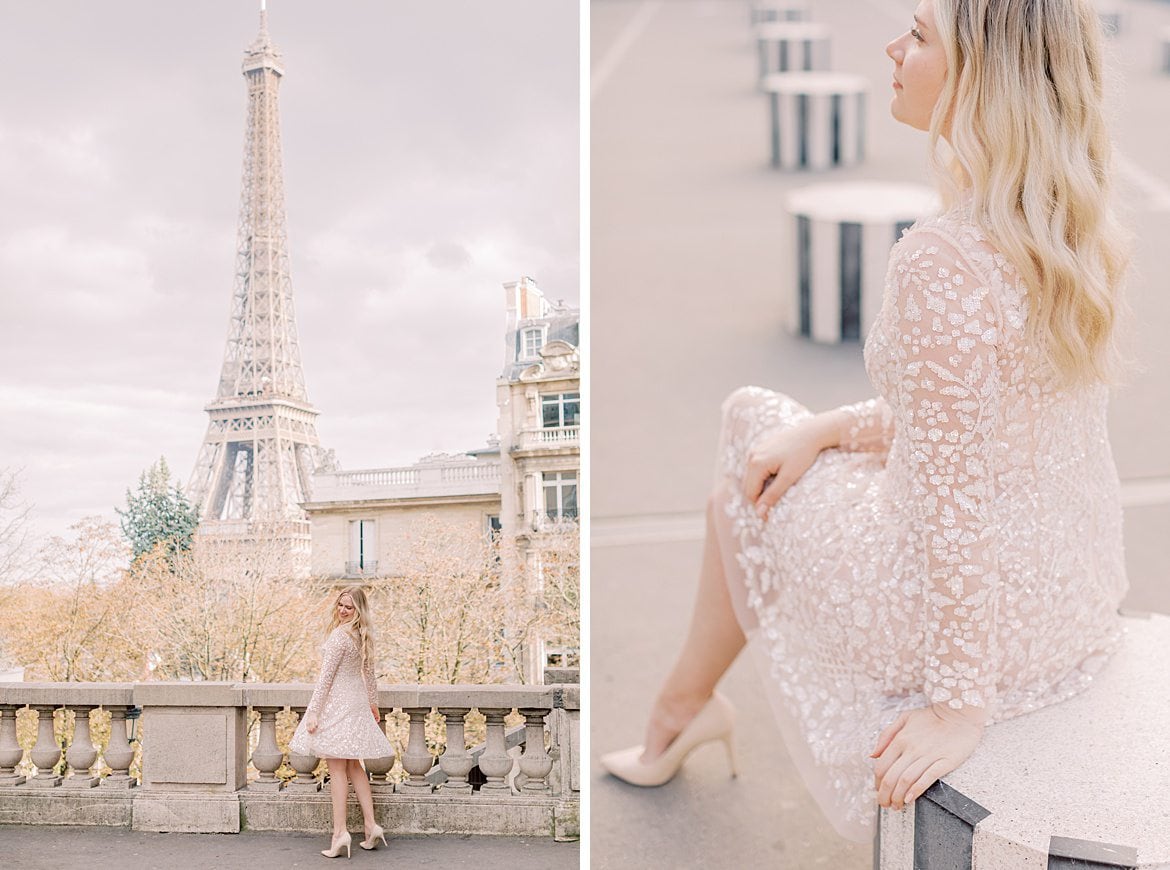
337,845
713,722
376,833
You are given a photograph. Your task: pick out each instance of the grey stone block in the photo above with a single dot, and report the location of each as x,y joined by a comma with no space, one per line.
60,807
188,813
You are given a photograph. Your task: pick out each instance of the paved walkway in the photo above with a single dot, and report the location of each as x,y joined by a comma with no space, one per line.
685,306
32,848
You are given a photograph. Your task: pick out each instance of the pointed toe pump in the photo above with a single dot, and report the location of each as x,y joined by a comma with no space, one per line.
713,722
337,845
376,833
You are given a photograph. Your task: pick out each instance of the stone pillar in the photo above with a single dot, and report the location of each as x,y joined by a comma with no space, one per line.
785,46
495,763
10,750
816,119
46,753
194,757
535,763
267,757
82,753
456,761
305,766
842,235
564,722
417,761
119,754
379,768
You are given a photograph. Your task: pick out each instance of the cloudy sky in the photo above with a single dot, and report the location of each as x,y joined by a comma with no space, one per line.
430,154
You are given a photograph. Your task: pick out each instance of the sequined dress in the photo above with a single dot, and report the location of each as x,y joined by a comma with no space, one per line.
342,699
962,545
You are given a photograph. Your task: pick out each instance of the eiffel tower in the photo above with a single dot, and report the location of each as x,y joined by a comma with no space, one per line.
261,446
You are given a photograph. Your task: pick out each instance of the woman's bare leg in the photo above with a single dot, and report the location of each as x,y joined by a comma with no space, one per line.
361,787
339,792
713,642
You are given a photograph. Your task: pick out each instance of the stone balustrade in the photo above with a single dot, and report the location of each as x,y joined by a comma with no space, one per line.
196,747
551,436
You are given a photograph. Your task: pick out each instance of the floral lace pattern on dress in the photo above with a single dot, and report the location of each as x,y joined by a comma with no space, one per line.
962,545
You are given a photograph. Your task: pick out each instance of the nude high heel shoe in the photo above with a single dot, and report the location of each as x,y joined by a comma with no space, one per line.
376,833
713,722
337,845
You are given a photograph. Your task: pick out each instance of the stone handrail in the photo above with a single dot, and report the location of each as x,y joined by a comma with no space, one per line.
553,436
195,754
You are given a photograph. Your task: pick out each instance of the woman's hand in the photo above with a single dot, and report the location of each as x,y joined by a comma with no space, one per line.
778,459
311,723
377,713
919,747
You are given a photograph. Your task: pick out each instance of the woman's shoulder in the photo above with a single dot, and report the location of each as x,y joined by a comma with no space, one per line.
340,634
956,237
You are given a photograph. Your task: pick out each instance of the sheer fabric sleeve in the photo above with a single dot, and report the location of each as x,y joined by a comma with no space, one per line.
867,426
949,389
330,662
371,682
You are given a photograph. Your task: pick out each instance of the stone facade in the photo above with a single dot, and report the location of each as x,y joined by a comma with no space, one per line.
524,485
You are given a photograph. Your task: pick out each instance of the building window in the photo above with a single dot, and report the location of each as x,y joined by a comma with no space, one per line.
493,526
363,547
533,341
560,494
560,409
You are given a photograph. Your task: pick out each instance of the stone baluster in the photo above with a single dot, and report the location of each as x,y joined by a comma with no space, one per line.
495,763
119,754
267,756
304,765
11,751
417,761
46,753
456,761
535,763
378,768
81,754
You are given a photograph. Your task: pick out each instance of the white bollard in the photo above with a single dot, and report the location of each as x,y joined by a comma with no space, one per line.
842,234
816,119
792,46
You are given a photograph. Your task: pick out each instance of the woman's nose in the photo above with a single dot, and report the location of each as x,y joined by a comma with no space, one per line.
894,50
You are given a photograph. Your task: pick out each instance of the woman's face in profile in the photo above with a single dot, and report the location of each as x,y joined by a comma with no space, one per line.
920,69
345,608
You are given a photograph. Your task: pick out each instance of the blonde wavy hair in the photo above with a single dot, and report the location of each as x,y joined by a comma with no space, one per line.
359,624
1022,112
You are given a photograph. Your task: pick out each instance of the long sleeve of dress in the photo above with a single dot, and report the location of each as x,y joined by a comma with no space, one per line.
371,682
330,661
868,426
950,393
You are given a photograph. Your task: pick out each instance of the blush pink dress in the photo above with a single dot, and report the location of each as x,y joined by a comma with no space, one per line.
963,545
342,698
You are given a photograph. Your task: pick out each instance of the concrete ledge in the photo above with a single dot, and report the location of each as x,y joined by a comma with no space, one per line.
57,807
187,813
1081,783
417,814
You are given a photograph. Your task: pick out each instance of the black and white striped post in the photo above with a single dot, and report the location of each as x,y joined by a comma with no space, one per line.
1080,784
816,119
842,234
779,10
792,46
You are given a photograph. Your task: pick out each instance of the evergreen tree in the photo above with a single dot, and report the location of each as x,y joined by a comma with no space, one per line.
158,513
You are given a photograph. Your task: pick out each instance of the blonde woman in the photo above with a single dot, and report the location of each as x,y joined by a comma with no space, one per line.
948,554
341,723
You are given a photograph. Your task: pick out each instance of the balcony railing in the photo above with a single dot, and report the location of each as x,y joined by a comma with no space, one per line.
195,748
429,480
361,569
542,522
553,436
